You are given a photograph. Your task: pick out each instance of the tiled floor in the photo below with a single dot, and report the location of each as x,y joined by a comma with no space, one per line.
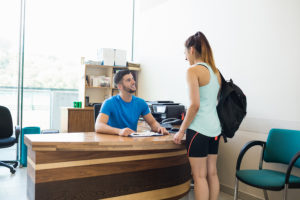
222,196
13,187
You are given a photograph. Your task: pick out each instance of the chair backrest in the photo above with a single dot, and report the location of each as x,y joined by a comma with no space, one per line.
97,107
6,125
282,145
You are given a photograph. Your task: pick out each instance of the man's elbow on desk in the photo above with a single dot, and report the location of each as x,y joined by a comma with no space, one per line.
101,127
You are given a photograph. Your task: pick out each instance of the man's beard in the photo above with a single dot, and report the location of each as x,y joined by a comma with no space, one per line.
127,89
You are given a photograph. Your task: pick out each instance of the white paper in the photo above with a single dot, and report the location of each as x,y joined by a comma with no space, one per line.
145,134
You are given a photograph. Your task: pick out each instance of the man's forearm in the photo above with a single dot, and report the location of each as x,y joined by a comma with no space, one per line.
104,128
154,126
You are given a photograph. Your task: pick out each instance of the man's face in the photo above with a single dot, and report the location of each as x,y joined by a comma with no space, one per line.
128,83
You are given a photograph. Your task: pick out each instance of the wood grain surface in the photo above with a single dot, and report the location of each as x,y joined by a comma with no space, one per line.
80,166
114,185
81,119
97,142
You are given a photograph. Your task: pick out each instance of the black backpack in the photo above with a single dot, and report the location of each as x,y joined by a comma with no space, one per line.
231,108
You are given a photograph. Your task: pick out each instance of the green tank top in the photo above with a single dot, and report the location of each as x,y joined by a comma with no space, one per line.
206,120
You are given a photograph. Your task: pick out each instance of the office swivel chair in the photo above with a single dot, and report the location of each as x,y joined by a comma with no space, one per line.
282,146
97,107
6,139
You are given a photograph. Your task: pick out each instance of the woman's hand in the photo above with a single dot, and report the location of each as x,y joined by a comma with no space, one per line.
178,137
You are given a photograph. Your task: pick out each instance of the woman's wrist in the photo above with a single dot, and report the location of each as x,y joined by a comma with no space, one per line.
181,131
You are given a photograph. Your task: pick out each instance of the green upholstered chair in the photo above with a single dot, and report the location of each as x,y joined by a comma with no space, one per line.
282,146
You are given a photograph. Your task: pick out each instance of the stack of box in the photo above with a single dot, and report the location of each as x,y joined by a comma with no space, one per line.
106,56
112,57
120,58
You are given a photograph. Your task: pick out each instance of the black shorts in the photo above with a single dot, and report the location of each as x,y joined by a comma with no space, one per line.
199,145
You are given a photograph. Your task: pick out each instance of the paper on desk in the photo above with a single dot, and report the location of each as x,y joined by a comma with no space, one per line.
145,134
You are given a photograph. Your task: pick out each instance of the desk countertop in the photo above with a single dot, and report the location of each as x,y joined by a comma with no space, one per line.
87,141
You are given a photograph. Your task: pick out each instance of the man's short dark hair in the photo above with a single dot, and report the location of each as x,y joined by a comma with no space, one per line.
120,74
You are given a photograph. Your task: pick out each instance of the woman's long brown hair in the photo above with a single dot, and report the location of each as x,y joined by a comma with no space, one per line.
203,50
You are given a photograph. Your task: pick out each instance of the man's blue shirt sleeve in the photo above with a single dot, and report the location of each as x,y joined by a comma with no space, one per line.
145,108
106,107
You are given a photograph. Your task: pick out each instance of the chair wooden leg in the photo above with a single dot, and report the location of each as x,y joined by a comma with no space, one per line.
266,195
285,192
236,189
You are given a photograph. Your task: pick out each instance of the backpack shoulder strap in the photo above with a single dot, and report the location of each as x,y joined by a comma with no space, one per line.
222,78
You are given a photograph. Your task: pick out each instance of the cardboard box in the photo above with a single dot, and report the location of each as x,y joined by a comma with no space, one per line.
120,58
106,56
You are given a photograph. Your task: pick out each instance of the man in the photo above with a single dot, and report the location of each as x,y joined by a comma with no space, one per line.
120,114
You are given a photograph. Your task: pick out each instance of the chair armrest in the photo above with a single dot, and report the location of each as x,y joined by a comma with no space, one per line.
290,167
245,149
17,132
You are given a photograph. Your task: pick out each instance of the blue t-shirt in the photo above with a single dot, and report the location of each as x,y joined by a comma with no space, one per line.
124,114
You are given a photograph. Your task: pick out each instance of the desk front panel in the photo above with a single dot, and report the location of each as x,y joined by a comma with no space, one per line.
135,174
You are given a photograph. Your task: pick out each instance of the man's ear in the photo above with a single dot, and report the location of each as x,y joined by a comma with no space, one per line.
119,86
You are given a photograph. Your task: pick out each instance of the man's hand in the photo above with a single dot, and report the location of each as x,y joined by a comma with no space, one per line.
155,126
162,130
125,132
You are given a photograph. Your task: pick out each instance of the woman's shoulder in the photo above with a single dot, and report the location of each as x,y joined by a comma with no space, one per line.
198,69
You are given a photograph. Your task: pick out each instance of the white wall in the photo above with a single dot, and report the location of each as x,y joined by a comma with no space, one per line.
255,42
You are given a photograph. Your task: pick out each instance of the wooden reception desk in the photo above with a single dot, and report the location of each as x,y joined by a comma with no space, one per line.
98,166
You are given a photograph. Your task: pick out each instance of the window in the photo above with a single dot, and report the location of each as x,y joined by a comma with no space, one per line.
57,34
9,52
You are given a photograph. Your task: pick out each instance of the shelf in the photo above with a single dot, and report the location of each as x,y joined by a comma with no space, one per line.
89,93
134,68
99,66
115,67
119,67
98,87
129,68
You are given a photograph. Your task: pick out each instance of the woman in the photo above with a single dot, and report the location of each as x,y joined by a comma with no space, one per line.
201,124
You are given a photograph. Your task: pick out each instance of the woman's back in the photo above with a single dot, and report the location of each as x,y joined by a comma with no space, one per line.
206,120
203,75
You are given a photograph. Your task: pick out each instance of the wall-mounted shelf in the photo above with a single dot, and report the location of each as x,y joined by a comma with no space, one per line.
87,87
97,82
